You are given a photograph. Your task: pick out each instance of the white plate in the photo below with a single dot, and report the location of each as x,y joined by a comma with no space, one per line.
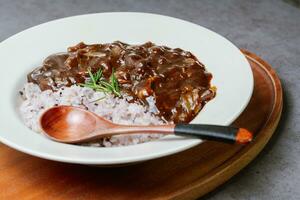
26,50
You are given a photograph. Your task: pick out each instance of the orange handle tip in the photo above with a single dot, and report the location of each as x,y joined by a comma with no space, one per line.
243,136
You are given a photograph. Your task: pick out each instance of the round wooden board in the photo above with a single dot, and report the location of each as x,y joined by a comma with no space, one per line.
186,175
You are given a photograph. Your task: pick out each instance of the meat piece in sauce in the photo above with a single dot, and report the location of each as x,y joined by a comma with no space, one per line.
171,79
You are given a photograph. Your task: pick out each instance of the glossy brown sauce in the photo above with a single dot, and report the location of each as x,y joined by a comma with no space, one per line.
174,79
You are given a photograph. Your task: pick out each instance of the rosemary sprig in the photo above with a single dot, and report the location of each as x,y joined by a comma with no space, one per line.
97,82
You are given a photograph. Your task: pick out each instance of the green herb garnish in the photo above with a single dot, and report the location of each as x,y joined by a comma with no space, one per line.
98,83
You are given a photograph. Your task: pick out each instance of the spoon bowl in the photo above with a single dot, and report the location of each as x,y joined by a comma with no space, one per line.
67,123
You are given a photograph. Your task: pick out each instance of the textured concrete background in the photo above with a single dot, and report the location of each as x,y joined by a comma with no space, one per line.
269,28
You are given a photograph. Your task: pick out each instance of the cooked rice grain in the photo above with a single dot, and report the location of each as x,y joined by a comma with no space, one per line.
117,110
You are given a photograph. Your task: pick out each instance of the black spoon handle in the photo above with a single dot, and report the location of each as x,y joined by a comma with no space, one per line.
227,134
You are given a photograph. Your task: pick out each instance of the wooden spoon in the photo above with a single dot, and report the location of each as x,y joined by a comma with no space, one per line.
70,124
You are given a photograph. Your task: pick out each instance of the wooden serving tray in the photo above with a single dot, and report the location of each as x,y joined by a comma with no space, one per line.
186,175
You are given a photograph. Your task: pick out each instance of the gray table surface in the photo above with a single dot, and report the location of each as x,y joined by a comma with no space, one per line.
269,28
